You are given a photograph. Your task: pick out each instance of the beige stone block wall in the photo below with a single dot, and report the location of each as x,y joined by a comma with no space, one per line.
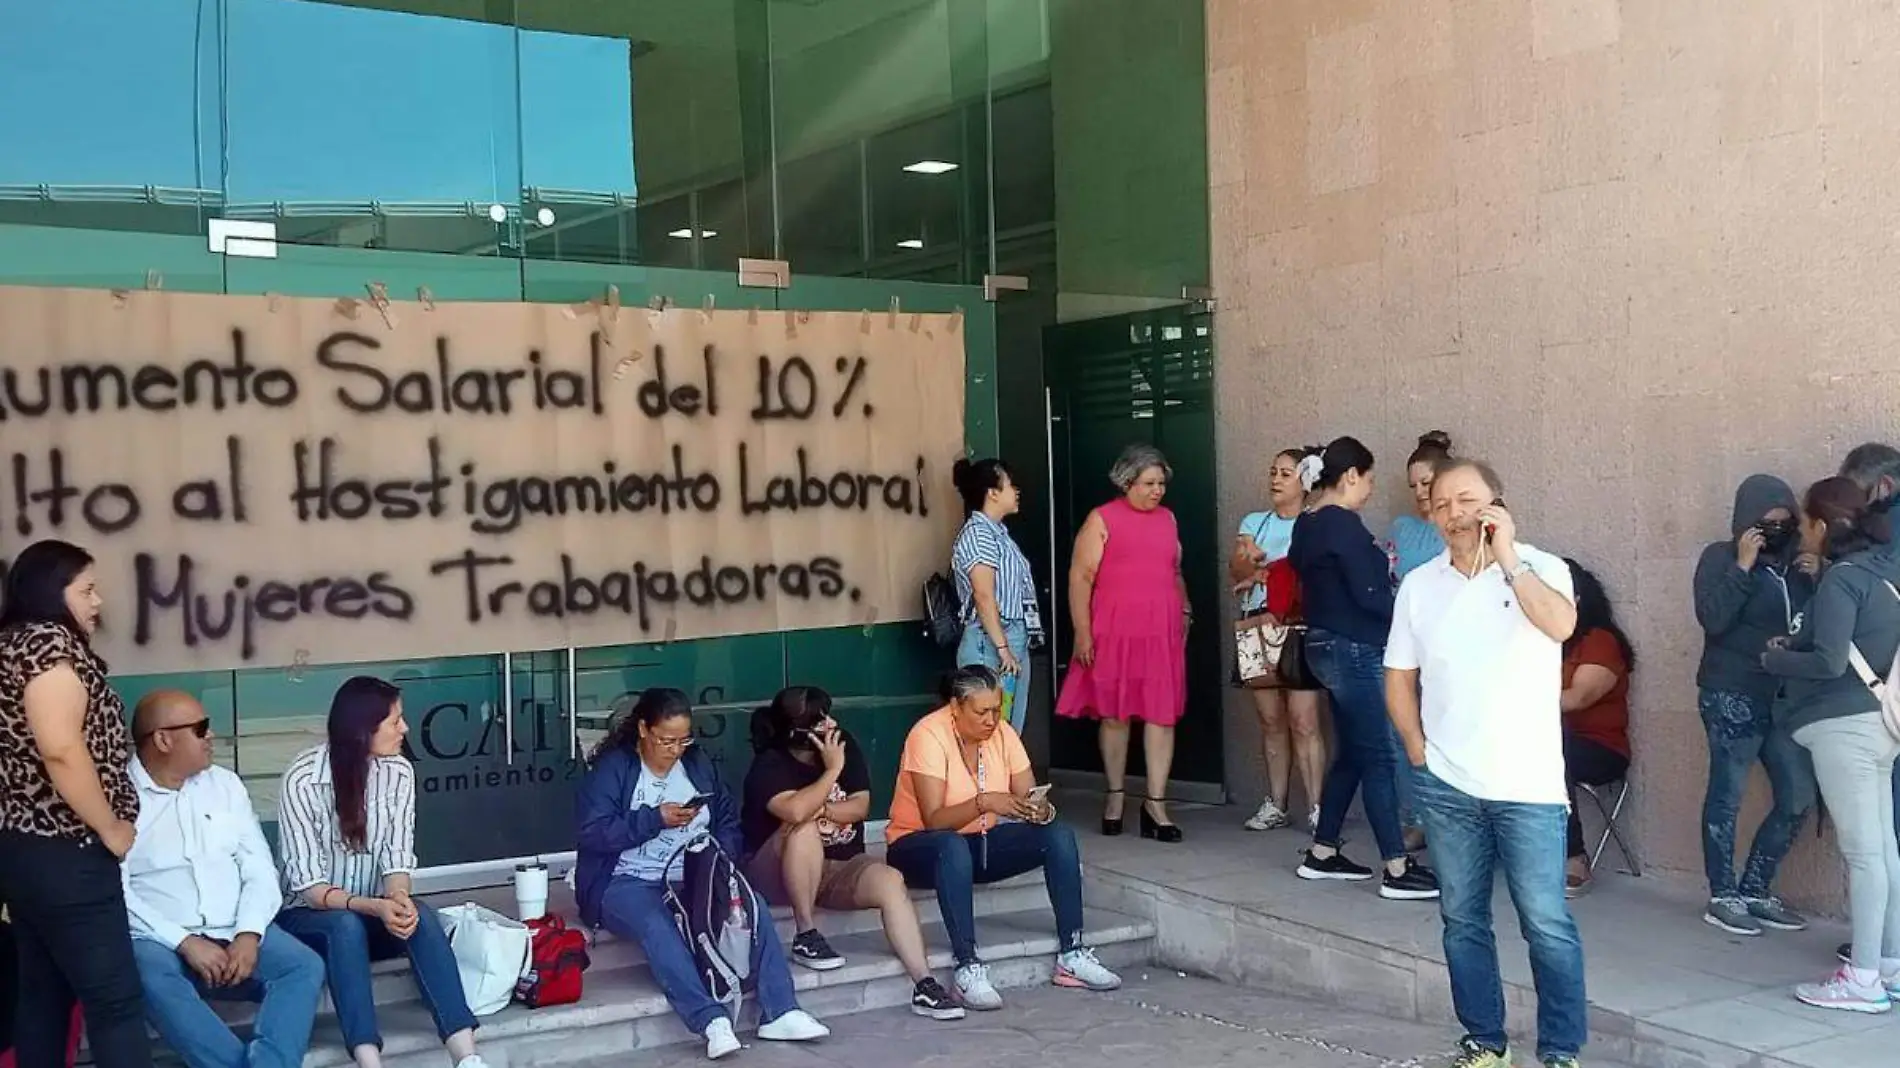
1630,252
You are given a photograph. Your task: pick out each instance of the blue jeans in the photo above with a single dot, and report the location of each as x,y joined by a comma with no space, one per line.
954,864
976,648
286,984
1741,732
636,909
1354,675
1471,839
348,943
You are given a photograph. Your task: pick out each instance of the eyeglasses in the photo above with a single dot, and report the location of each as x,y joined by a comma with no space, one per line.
198,729
676,745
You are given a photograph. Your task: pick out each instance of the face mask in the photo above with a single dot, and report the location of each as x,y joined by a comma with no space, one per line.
1776,536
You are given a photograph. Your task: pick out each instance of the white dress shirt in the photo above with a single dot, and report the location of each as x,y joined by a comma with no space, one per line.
312,836
1490,682
200,864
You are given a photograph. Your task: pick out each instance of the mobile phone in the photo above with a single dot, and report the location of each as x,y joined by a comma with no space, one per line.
1491,529
698,801
1039,794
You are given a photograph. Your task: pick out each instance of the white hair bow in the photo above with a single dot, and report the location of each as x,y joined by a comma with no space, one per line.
1309,470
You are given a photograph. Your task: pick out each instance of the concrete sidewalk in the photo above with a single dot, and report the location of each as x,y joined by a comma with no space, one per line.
1157,1019
1665,988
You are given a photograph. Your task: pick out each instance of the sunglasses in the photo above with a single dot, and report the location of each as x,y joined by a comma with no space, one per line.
198,729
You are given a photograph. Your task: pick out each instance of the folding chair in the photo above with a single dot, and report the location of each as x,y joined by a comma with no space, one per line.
1611,809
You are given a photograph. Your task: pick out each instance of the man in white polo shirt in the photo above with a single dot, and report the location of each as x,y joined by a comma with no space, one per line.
1477,639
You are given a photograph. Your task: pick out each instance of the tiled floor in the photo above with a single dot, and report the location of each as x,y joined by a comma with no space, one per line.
1657,975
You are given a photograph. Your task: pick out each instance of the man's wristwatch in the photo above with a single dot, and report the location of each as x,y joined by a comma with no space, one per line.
1511,576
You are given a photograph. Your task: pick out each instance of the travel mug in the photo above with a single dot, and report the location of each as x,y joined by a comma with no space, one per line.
531,891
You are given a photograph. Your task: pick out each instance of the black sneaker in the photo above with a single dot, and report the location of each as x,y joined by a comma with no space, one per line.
1415,883
811,950
1335,867
930,999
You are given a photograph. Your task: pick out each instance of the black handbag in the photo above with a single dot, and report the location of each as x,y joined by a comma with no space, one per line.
1293,672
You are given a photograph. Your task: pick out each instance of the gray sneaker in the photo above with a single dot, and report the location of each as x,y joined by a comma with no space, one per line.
1770,912
1731,914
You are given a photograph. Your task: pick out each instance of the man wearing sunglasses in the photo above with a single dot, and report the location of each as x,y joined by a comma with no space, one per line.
202,890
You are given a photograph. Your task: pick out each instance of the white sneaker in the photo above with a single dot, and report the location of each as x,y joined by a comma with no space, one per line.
720,1041
1842,991
473,1060
1079,969
795,1026
1269,817
974,989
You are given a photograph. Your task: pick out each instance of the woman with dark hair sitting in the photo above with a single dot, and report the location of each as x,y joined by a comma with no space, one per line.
649,793
68,809
1598,660
806,797
347,828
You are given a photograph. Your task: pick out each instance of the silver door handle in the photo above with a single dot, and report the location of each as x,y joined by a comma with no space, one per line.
573,706
508,705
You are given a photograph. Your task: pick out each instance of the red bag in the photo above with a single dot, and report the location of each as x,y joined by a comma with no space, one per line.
557,957
75,1029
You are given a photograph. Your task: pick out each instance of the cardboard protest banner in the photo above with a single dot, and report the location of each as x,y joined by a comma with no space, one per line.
268,480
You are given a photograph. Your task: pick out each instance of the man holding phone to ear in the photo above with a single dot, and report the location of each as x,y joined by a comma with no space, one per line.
1473,682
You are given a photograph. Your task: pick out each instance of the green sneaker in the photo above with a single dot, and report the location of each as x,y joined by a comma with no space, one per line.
1472,1055
1560,1062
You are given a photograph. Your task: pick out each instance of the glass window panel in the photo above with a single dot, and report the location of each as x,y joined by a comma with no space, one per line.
821,201
111,113
630,115
375,128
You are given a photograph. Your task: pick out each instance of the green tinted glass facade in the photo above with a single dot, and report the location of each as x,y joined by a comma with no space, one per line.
495,150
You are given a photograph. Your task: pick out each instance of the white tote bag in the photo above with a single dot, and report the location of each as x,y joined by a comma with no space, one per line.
491,954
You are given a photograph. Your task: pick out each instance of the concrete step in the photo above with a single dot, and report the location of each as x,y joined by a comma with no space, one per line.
623,1009
391,982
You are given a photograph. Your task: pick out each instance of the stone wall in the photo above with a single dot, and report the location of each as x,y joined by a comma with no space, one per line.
1630,252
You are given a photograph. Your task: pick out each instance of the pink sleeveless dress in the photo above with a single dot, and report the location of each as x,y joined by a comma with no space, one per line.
1140,669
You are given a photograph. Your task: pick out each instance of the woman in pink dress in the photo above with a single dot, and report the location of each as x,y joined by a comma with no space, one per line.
1129,607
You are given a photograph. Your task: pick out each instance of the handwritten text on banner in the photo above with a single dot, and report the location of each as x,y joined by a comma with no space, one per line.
268,480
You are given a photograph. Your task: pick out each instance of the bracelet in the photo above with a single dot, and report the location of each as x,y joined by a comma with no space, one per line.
347,900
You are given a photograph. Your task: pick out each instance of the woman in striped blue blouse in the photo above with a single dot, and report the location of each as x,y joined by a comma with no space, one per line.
994,585
347,820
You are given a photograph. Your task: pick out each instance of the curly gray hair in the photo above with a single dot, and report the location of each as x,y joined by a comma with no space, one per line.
1133,461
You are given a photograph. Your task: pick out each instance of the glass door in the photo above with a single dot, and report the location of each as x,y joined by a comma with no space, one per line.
1145,377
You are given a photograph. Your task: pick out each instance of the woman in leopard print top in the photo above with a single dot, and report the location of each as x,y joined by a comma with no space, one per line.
67,814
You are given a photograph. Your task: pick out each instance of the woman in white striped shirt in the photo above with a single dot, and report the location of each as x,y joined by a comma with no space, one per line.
994,584
347,821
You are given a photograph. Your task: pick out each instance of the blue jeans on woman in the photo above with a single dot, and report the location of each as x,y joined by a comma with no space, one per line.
1353,673
636,909
286,984
977,648
1741,732
1472,839
348,943
955,864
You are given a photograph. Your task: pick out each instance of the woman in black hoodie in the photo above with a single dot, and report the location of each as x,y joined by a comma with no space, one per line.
1748,592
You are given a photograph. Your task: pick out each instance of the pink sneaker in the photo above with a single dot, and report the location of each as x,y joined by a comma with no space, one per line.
1842,991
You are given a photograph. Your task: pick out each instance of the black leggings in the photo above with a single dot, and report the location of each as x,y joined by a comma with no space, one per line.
74,940
1593,764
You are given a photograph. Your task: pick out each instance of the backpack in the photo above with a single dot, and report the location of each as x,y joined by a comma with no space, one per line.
718,915
557,956
1886,691
943,618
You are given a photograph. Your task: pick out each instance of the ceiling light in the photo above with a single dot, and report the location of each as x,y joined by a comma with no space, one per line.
498,213
915,242
931,166
686,233
545,216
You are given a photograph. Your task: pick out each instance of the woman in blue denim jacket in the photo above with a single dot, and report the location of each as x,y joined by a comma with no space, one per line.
648,793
